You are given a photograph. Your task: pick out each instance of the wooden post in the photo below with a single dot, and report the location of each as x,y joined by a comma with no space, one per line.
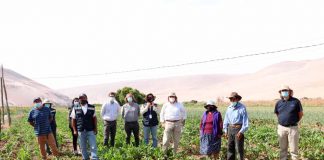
6,97
2,104
0,110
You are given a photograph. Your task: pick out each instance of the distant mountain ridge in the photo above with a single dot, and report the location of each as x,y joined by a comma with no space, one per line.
305,77
21,90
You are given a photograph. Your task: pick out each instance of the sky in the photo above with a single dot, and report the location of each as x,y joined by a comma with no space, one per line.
60,38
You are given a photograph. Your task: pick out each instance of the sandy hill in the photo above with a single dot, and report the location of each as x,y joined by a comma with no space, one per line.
305,77
21,90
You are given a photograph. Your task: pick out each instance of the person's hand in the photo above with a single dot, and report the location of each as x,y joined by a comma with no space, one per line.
239,135
75,133
95,131
225,135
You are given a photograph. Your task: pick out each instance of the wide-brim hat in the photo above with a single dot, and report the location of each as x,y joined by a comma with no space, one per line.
285,88
210,103
47,101
173,94
235,95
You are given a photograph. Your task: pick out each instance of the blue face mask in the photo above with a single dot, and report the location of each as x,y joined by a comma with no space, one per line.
47,105
233,104
284,93
38,105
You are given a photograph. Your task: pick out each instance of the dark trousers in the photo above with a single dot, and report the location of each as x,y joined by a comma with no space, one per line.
74,140
132,127
109,132
48,150
234,144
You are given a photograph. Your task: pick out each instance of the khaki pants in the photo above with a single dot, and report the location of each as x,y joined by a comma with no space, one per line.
172,131
288,136
42,140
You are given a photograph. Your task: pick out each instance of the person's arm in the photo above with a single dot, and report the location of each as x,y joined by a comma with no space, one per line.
276,109
95,124
73,120
220,125
144,108
183,114
31,119
123,112
103,110
300,111
245,123
226,123
162,120
50,117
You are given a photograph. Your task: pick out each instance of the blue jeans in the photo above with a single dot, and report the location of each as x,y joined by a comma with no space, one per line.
153,132
91,138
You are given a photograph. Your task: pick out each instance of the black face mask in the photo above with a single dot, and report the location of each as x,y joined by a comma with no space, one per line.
211,109
83,102
150,99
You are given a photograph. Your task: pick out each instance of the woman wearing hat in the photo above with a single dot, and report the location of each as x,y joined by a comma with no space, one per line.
150,119
236,123
211,126
172,117
131,113
75,103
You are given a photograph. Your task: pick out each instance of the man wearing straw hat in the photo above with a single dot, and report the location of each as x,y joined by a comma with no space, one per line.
172,117
236,123
289,112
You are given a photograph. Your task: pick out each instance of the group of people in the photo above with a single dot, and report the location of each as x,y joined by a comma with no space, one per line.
172,117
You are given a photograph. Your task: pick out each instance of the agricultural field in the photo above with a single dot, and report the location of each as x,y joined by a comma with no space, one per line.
19,142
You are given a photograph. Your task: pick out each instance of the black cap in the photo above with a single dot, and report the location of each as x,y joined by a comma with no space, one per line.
83,95
37,99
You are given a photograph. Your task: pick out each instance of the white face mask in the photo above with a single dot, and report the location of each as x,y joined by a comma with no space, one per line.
76,103
111,100
172,100
130,99
233,104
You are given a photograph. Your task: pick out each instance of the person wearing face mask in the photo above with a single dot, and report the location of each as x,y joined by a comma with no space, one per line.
289,112
236,123
172,117
130,114
40,118
150,119
211,126
47,103
109,113
84,123
75,103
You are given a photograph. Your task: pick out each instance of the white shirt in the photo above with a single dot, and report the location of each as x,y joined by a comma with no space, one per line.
173,112
84,109
109,112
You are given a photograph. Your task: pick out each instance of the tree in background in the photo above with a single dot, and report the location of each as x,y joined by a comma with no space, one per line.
121,93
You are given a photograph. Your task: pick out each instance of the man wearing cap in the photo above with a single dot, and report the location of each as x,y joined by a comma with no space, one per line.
289,112
84,123
236,123
109,113
47,103
172,117
40,118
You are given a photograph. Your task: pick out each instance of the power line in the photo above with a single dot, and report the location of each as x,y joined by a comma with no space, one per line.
185,64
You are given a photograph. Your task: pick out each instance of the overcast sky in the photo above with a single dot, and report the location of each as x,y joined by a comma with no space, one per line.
58,38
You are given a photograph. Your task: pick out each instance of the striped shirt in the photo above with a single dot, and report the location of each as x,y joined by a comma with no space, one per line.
41,119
